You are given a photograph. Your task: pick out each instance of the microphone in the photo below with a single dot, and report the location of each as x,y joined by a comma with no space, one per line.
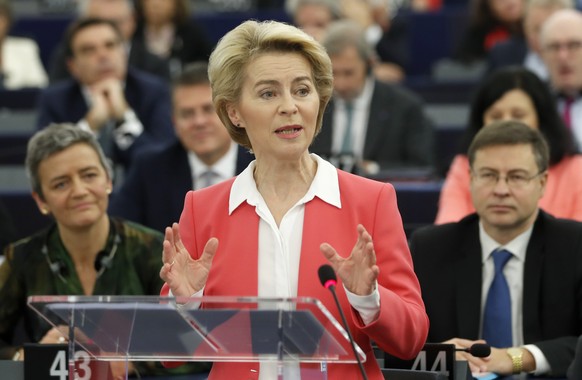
478,350
329,281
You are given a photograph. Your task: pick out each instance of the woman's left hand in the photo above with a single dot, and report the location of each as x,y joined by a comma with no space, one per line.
358,271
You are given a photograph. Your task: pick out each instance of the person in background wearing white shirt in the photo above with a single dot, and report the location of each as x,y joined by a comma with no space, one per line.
125,108
153,191
20,64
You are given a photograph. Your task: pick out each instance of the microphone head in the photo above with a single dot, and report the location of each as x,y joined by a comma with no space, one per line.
327,276
480,350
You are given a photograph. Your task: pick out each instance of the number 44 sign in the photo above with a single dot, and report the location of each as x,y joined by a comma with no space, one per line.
51,362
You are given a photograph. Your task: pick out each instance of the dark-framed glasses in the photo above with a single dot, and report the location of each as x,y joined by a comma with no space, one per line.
513,180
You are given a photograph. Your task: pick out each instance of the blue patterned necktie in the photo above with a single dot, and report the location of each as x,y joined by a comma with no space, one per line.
497,314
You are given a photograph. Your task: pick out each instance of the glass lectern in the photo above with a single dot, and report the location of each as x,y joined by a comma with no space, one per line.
231,329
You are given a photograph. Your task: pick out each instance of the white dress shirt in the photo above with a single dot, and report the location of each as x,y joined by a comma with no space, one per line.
360,117
513,272
223,169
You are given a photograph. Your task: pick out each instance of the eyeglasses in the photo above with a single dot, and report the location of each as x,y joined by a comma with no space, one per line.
513,180
570,46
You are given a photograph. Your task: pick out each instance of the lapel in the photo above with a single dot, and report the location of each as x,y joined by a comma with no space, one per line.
532,279
468,307
378,119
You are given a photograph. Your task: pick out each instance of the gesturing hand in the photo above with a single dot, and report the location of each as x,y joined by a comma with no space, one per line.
358,271
184,275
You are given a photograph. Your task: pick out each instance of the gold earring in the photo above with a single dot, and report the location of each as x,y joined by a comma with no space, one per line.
44,211
108,190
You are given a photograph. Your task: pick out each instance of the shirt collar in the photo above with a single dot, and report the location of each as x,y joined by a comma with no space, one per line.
225,167
363,100
325,186
517,246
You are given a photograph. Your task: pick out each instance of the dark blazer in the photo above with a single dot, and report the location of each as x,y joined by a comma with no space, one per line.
147,95
191,44
139,57
507,53
398,132
447,261
575,369
153,192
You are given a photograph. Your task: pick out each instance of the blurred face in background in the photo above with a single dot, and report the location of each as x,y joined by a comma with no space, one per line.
98,53
507,11
350,72
159,12
561,42
313,19
513,105
532,25
197,124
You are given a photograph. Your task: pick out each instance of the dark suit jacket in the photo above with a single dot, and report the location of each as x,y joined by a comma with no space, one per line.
398,132
447,261
153,192
147,95
139,57
191,44
507,53
575,369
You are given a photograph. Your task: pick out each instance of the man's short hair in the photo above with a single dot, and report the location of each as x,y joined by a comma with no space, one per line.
195,73
82,24
511,132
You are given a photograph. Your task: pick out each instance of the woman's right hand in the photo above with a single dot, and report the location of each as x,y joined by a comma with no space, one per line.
184,275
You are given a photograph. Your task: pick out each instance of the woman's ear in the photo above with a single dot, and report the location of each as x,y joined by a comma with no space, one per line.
233,115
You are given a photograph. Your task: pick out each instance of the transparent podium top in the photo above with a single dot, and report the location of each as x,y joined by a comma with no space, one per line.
178,329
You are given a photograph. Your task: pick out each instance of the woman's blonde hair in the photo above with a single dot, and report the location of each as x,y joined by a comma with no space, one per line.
251,39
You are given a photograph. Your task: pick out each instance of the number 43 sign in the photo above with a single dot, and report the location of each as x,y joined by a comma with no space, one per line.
51,362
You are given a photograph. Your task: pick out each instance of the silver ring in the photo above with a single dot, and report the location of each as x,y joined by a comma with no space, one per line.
61,339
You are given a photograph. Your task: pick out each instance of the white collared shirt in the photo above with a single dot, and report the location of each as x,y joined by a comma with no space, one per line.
223,169
575,117
359,120
280,246
513,271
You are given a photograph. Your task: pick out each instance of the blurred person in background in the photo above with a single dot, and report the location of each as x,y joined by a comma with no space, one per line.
490,22
153,192
375,124
561,40
122,13
514,93
166,29
20,64
126,109
386,33
525,50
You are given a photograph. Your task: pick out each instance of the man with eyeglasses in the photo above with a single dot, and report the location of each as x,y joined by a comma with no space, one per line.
509,274
561,44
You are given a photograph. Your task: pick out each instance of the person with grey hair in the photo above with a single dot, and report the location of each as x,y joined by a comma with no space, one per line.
379,125
525,50
20,64
510,274
84,251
